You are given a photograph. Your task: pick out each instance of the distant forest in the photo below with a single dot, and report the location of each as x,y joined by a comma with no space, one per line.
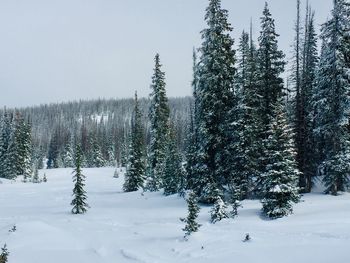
101,125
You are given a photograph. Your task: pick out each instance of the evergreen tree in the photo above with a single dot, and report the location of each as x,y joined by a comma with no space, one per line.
242,131
280,184
270,66
308,164
124,150
219,211
215,98
9,163
244,54
135,172
53,152
79,203
192,174
159,118
173,180
193,211
5,136
4,254
332,100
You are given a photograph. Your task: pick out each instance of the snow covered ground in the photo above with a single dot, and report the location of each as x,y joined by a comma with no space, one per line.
131,227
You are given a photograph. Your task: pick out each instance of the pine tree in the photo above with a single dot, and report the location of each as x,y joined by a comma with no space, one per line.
5,136
215,98
135,172
241,131
173,180
53,152
332,100
280,184
9,163
308,163
244,54
44,178
270,66
219,211
159,118
193,211
4,254
79,203
192,174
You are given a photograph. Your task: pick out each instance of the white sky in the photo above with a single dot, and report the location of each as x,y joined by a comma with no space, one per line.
62,50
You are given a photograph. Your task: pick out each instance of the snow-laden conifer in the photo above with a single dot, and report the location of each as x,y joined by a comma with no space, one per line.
79,203
193,210
219,211
280,180
159,125
135,171
214,94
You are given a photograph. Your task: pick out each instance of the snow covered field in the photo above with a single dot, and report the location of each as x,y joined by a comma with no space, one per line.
130,227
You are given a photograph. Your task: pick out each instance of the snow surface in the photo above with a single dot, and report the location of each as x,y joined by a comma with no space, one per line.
131,227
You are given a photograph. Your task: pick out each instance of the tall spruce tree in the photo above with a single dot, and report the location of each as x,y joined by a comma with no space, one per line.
242,131
270,66
192,139
280,184
159,119
79,203
333,101
308,164
214,93
299,107
135,172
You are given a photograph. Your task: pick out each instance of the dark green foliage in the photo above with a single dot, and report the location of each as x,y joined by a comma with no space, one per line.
270,66
5,136
307,147
159,125
214,96
173,181
135,173
280,180
332,101
4,254
192,174
53,152
193,211
79,201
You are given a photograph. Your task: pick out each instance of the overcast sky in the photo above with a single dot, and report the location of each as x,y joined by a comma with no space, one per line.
63,50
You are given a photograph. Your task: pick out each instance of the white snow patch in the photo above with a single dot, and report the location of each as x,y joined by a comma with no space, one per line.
131,227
